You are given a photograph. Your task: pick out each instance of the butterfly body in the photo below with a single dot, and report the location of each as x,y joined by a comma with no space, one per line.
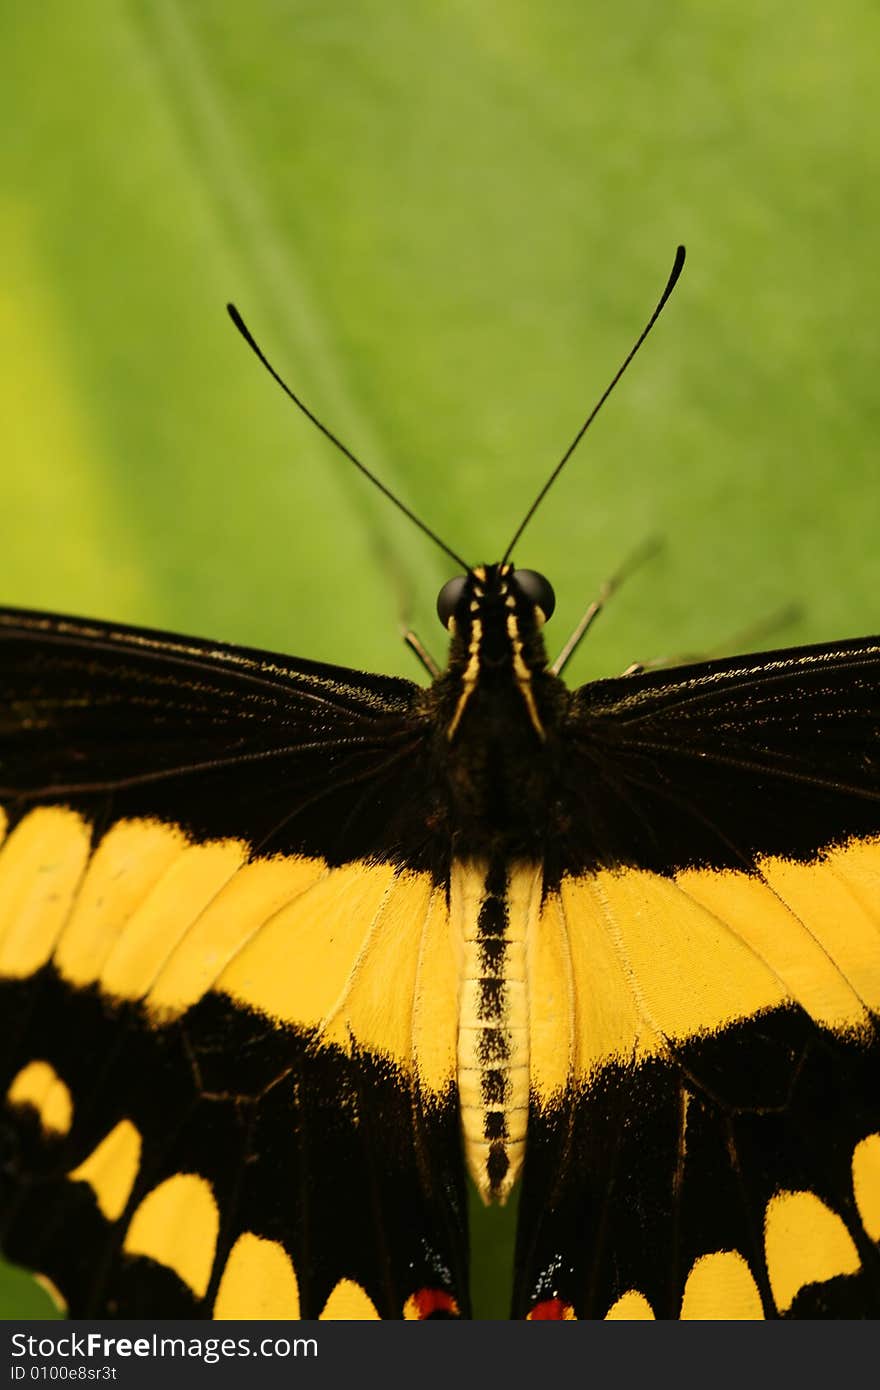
498,714
284,947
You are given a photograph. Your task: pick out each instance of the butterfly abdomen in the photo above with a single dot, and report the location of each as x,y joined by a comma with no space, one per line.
491,905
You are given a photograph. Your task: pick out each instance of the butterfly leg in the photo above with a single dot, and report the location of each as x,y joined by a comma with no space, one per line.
415,644
646,551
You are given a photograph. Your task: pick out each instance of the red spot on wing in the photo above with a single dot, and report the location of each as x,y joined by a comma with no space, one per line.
431,1303
551,1310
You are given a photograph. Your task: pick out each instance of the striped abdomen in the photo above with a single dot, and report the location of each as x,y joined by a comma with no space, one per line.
491,907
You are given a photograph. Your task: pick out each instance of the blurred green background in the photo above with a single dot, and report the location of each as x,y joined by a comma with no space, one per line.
445,222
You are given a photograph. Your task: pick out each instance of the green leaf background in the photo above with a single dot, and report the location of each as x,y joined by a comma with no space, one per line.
446,222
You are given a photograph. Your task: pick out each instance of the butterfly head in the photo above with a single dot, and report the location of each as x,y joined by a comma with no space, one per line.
496,598
494,615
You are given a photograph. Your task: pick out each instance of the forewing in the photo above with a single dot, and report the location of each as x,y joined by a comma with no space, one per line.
705,1142
228,1088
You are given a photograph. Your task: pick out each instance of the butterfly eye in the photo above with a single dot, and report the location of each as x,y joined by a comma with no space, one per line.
537,590
449,597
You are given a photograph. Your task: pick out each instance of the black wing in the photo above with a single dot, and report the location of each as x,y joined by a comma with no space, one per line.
201,842
706,1142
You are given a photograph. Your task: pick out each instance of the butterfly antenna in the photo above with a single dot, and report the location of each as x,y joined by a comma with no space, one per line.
670,286
343,449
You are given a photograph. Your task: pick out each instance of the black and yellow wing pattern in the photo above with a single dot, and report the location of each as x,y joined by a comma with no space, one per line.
228,1029
287,950
704,1138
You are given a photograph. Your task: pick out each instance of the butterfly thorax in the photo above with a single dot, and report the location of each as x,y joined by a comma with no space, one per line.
497,710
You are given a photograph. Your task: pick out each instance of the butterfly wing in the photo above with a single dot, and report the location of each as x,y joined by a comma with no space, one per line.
704,1138
227,1089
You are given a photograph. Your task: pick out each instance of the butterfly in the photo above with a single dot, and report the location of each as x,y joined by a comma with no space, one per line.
287,951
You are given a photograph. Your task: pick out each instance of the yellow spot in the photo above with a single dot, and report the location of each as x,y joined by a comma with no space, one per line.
434,1011
583,1010
366,1009
41,864
704,978
131,857
857,864
805,1242
866,1183
721,1286
39,1085
734,946
259,1281
845,927
630,1307
239,911
782,938
53,1291
348,1303
176,1225
415,1023
552,1024
296,968
4,822
182,894
111,1168
323,960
